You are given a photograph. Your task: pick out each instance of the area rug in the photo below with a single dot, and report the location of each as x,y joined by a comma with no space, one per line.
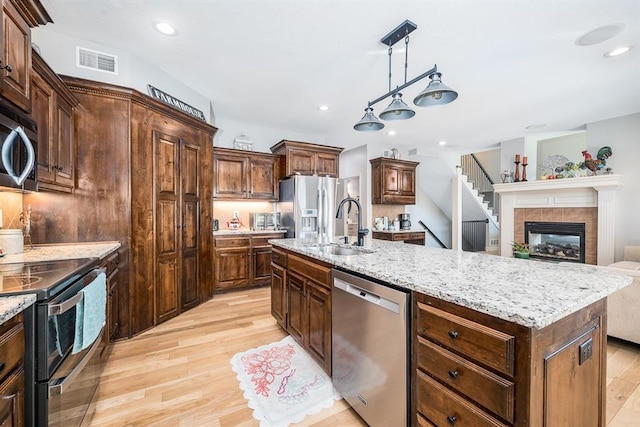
282,383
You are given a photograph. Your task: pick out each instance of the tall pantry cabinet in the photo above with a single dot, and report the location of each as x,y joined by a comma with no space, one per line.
163,213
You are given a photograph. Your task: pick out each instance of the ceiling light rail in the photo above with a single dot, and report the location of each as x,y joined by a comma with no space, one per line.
436,93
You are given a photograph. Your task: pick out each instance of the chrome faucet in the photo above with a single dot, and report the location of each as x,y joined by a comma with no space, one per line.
361,231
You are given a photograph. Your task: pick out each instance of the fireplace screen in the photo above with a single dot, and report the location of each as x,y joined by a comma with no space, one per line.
558,241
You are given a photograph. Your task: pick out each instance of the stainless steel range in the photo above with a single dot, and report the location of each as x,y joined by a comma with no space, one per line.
61,375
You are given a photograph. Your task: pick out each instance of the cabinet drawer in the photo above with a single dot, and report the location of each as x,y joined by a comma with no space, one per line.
415,236
263,240
473,340
112,262
279,257
11,345
423,422
12,391
313,271
488,389
445,408
232,242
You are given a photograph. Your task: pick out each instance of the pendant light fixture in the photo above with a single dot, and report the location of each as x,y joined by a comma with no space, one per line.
436,93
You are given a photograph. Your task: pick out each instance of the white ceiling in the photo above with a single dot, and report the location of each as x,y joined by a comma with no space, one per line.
273,62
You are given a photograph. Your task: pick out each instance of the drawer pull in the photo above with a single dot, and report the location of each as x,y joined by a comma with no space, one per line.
2,366
453,334
452,419
453,374
8,396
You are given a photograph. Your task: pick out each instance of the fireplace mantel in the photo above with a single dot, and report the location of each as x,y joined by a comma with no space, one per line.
591,191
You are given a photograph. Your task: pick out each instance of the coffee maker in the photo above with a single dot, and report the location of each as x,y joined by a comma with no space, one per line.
405,222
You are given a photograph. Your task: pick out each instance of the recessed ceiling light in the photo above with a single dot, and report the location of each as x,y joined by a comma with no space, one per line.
442,143
618,51
536,126
323,107
599,34
165,28
391,132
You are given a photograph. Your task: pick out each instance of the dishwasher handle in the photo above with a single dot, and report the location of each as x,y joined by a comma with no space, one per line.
367,296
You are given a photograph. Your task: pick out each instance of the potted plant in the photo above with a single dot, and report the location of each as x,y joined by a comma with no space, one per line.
520,250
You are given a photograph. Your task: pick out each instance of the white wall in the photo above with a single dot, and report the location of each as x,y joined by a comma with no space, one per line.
355,162
621,134
490,161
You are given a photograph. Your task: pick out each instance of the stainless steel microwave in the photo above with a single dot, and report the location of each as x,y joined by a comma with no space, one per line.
18,149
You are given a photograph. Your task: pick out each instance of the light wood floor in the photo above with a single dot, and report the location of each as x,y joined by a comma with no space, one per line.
178,374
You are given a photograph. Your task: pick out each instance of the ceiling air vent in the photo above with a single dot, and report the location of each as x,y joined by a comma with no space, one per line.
94,60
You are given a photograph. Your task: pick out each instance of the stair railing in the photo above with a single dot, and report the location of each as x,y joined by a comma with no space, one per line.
442,245
478,176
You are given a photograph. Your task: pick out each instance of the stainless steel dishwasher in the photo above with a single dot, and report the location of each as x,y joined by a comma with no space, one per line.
370,348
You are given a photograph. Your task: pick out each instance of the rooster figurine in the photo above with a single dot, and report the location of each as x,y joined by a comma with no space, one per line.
599,162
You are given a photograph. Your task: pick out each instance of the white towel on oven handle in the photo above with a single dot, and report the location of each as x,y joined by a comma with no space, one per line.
90,313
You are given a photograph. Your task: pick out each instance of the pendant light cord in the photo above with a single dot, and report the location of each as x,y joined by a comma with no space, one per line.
406,56
389,52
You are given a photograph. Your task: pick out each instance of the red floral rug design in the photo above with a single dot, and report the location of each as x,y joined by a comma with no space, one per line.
282,383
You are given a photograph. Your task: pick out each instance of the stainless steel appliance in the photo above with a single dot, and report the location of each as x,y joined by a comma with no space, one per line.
59,384
405,221
370,347
308,206
18,153
265,220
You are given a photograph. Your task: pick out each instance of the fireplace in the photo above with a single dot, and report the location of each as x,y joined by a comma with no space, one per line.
556,241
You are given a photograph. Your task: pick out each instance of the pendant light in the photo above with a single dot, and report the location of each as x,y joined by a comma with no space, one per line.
436,92
397,110
369,122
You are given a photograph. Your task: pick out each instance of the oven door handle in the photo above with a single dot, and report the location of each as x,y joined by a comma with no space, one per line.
59,388
56,309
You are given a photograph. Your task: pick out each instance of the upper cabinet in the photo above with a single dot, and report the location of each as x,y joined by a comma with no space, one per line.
302,158
393,182
242,175
53,111
18,17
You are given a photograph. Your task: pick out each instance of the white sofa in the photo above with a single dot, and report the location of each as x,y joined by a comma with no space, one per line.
623,310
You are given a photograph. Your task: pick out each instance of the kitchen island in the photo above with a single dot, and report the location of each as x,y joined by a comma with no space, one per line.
495,340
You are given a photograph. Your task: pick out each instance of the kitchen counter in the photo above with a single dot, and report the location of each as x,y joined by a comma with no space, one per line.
245,231
533,294
10,306
62,251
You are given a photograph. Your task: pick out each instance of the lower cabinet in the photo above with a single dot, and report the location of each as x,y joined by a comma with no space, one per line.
12,378
411,237
301,302
242,260
111,266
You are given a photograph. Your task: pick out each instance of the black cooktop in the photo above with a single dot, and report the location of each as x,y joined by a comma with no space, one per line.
44,278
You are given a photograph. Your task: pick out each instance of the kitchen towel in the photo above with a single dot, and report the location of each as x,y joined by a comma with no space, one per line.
282,383
90,313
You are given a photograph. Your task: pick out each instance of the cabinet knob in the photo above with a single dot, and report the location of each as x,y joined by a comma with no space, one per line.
452,419
453,374
453,334
7,67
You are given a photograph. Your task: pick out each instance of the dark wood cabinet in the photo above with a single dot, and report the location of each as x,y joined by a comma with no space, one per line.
473,369
53,111
111,266
18,17
303,158
411,237
303,305
12,378
393,182
150,188
239,175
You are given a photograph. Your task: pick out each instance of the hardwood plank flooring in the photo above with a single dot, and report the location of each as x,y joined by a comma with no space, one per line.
178,373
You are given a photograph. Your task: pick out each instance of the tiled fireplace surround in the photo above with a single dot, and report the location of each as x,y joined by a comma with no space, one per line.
587,199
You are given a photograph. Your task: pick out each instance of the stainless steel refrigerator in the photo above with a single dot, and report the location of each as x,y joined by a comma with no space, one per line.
307,206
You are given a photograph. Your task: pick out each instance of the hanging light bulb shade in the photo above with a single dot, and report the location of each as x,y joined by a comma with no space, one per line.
369,122
397,110
437,93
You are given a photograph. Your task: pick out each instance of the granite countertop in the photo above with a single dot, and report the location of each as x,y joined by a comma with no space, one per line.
62,251
530,293
10,306
245,231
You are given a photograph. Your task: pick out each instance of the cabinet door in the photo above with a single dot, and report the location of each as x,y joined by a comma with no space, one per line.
278,294
263,182
319,341
301,162
391,178
12,400
113,299
190,167
296,307
229,175
233,267
327,164
167,225
261,264
42,103
64,138
16,43
407,181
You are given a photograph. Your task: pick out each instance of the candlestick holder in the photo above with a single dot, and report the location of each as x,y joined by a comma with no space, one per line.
516,177
524,172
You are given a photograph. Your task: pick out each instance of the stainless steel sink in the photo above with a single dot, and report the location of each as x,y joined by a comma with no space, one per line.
340,250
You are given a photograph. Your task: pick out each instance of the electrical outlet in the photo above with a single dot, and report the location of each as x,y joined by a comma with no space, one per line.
586,350
493,242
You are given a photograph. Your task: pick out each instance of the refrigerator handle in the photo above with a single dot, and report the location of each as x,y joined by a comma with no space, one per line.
321,211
